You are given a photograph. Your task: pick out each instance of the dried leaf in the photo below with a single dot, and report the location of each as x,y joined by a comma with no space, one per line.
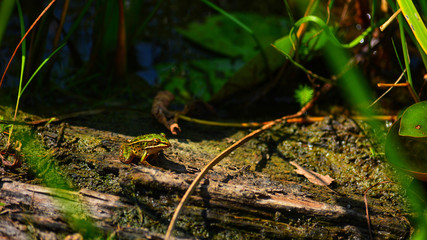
12,152
313,177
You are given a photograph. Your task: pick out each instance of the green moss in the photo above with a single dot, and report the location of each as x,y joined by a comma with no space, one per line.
40,160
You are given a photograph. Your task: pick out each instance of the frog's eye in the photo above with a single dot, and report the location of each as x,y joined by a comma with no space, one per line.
157,140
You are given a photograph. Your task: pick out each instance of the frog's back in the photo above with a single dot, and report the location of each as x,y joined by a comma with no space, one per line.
142,138
150,139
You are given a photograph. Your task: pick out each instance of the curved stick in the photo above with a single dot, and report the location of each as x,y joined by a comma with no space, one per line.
227,151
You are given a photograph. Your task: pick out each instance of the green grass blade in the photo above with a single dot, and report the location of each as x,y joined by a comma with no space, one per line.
23,49
289,11
235,20
406,55
415,22
417,25
410,33
64,41
397,56
23,54
41,66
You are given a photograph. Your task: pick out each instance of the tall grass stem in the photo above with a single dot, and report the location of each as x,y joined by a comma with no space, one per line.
23,38
406,58
23,57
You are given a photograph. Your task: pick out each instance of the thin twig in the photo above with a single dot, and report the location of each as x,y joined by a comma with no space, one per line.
303,27
22,39
304,119
365,197
66,116
385,25
388,90
227,151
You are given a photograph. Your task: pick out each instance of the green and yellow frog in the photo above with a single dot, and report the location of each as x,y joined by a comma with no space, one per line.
143,146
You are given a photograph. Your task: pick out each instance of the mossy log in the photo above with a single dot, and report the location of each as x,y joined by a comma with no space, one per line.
254,193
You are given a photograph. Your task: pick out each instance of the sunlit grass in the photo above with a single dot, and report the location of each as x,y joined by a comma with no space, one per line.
42,164
39,160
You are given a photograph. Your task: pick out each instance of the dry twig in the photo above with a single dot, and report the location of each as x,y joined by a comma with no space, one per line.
162,114
365,197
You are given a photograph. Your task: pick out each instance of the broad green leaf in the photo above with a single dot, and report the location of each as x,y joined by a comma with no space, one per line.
414,121
221,35
197,79
255,71
415,22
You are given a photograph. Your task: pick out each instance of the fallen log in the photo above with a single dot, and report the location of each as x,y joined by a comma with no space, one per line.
252,194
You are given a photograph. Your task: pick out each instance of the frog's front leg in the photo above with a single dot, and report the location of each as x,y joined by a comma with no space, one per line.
126,155
144,157
128,160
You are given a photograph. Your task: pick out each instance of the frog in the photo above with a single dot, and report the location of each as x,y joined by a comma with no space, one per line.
143,146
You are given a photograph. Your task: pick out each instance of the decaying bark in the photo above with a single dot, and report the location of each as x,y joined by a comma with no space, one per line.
277,205
27,205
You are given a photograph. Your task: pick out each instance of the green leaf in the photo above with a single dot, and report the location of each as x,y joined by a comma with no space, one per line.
414,121
328,31
406,153
220,34
197,79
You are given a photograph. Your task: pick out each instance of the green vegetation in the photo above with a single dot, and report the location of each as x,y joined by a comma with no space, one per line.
304,94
